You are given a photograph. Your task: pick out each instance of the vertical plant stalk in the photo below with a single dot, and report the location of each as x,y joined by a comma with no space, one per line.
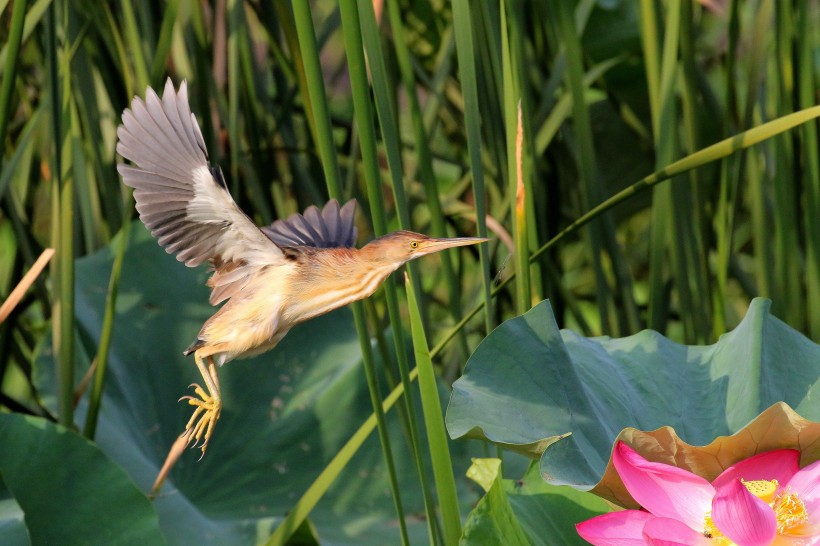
324,136
18,12
63,221
602,238
729,179
811,168
520,212
515,27
787,279
315,93
232,8
378,410
101,360
692,114
515,174
169,18
135,47
425,162
469,88
434,423
660,199
753,175
675,201
138,76
672,205
240,80
388,120
363,111
9,77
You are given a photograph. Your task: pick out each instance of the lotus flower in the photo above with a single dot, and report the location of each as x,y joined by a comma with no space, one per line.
765,499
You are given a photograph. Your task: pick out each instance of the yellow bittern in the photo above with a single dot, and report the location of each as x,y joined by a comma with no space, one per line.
270,278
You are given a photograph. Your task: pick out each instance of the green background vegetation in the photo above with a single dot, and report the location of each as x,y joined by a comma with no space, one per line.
411,108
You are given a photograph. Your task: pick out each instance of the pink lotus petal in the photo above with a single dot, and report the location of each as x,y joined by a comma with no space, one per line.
742,517
623,528
806,483
779,465
664,490
671,532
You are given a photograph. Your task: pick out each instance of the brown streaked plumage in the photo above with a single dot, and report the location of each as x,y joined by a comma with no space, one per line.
267,279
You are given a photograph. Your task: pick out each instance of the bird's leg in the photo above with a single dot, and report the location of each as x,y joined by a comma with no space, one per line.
208,408
208,405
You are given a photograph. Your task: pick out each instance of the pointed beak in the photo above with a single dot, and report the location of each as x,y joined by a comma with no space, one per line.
435,245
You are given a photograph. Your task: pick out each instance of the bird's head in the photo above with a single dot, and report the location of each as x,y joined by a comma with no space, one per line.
402,246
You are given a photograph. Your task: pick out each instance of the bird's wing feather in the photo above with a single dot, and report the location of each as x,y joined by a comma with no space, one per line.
332,227
184,201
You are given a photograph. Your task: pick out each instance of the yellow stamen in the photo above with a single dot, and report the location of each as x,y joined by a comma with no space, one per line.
711,531
790,512
762,489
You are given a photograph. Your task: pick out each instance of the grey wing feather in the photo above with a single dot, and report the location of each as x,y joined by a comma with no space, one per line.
181,199
332,227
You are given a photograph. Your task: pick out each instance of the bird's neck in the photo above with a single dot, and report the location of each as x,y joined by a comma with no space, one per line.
334,277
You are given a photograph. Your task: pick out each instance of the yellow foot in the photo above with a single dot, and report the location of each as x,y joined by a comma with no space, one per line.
201,425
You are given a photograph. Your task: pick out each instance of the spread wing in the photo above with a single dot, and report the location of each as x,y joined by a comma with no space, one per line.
332,227
184,201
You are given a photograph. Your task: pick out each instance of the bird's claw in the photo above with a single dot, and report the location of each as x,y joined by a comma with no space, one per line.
206,413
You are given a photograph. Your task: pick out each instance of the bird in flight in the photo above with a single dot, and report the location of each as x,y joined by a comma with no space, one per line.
267,279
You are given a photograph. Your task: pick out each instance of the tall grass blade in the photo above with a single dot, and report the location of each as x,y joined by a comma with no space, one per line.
434,423
650,38
163,47
21,149
753,177
388,120
696,253
787,280
63,216
33,17
363,111
515,174
10,69
602,239
425,160
465,50
109,316
132,38
811,157
324,135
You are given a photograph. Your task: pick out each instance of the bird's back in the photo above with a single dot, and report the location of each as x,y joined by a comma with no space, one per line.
275,298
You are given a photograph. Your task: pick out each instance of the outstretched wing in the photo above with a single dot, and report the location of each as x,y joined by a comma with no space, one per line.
333,227
182,200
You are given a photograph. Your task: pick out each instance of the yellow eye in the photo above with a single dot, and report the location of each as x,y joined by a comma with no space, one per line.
414,244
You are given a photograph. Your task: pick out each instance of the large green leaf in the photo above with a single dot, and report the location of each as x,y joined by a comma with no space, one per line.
529,383
525,511
47,468
286,413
